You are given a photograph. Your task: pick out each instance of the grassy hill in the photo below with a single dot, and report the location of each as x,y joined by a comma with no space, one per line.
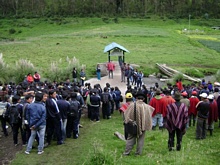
45,41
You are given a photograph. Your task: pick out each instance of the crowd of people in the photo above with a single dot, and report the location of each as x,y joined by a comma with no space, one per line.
175,107
45,111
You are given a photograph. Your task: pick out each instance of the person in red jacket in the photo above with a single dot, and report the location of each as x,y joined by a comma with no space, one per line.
213,113
110,68
192,108
30,79
158,103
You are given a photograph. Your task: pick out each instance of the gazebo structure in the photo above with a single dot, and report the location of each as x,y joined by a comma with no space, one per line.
115,49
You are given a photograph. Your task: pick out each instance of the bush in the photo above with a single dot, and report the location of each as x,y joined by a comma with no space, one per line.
106,20
217,76
99,157
4,74
148,71
194,73
12,31
57,73
22,68
177,77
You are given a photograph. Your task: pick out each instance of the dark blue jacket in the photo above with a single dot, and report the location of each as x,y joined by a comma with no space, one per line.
36,114
64,107
95,100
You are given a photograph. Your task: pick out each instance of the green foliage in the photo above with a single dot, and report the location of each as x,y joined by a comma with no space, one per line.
12,31
98,156
217,76
4,70
105,19
58,73
177,77
194,72
148,70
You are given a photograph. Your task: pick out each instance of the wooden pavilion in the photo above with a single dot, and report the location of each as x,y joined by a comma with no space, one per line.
115,49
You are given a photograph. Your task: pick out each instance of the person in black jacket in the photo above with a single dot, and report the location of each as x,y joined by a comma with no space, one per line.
54,120
74,75
105,98
16,119
73,117
95,104
203,112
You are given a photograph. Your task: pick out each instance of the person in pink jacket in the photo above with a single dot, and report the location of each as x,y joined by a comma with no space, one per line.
110,68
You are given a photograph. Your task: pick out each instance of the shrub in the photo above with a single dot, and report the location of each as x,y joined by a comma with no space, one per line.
12,31
194,72
217,76
4,74
106,20
177,77
148,71
99,157
22,68
57,73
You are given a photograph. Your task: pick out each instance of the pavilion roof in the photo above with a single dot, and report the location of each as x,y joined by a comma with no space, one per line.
114,45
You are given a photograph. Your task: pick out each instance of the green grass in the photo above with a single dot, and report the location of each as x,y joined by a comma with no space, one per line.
149,42
100,135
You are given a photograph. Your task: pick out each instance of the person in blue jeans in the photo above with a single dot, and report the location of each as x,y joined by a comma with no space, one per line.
98,72
36,117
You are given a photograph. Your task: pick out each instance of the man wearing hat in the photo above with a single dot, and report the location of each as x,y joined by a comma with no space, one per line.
193,101
128,99
159,105
203,112
185,99
213,113
142,116
124,107
177,118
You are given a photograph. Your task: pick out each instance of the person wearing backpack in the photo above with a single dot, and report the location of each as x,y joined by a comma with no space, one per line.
36,116
15,113
105,98
64,107
117,94
73,117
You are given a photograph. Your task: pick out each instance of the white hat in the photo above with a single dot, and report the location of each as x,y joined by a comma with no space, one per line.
203,95
210,97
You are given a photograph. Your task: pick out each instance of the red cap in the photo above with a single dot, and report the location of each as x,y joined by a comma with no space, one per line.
194,93
184,94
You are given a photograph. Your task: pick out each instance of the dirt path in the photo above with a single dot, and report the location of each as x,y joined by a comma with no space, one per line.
116,81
